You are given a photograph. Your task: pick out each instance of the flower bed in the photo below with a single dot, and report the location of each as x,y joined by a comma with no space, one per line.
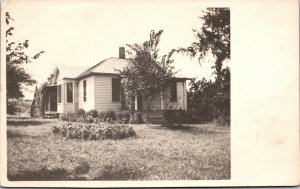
101,131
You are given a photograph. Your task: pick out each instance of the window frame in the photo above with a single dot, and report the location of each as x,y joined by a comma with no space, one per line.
116,83
70,84
173,91
84,90
58,93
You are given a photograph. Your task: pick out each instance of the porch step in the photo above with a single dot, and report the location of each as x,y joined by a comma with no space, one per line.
51,115
155,117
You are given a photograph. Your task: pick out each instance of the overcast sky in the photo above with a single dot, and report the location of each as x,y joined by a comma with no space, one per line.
83,33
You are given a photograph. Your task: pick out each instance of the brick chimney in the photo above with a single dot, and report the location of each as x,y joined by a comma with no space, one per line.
122,52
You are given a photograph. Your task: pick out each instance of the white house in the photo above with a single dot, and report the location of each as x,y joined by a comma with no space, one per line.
98,88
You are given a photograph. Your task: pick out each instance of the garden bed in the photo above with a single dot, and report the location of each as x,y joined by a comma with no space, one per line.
100,131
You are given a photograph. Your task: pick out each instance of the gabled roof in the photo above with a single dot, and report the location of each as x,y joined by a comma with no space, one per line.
107,66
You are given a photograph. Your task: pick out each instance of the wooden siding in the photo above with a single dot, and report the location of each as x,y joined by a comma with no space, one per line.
103,94
65,107
90,94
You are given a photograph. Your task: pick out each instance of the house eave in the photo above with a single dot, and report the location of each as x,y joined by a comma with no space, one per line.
96,73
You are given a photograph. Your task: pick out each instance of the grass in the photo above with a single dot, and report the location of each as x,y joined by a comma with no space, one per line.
157,153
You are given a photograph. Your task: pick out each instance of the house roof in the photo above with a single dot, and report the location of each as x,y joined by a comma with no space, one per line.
111,65
107,66
70,72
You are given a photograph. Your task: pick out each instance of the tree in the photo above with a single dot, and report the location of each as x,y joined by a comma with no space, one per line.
16,75
146,73
40,97
213,37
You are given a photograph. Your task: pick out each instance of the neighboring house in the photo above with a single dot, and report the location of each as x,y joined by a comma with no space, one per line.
99,88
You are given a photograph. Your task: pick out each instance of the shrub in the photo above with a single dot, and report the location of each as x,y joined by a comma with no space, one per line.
11,108
80,112
107,116
173,117
123,116
137,118
68,117
94,131
93,113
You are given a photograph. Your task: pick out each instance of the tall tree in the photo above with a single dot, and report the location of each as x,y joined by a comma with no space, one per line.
147,73
213,37
16,76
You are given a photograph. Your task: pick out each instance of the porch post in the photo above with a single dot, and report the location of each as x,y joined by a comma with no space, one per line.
49,100
135,103
161,99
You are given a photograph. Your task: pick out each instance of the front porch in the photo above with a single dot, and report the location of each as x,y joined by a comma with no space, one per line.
155,117
51,102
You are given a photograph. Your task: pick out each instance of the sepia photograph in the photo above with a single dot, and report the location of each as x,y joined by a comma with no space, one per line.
100,91
138,93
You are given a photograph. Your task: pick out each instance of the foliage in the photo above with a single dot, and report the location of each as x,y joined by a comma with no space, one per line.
203,106
211,100
175,118
93,116
94,131
11,108
80,112
147,73
213,36
40,97
107,116
16,56
93,113
137,118
123,116
68,117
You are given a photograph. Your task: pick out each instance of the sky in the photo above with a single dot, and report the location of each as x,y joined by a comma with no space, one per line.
82,33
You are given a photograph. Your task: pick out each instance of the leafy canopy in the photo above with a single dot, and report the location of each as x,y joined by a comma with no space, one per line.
15,58
147,72
213,36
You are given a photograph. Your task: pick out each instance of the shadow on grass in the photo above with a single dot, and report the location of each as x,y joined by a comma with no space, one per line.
186,128
26,122
42,174
120,172
13,134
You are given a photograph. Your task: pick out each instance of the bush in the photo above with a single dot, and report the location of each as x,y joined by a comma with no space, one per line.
137,118
11,108
107,116
173,117
93,113
94,131
68,117
80,112
123,116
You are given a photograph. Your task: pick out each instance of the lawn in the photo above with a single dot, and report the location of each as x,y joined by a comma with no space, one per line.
198,152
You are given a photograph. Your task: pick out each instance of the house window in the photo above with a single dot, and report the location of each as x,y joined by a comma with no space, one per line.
69,92
116,89
84,90
59,93
173,91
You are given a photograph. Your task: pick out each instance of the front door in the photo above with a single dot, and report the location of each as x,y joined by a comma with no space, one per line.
53,99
